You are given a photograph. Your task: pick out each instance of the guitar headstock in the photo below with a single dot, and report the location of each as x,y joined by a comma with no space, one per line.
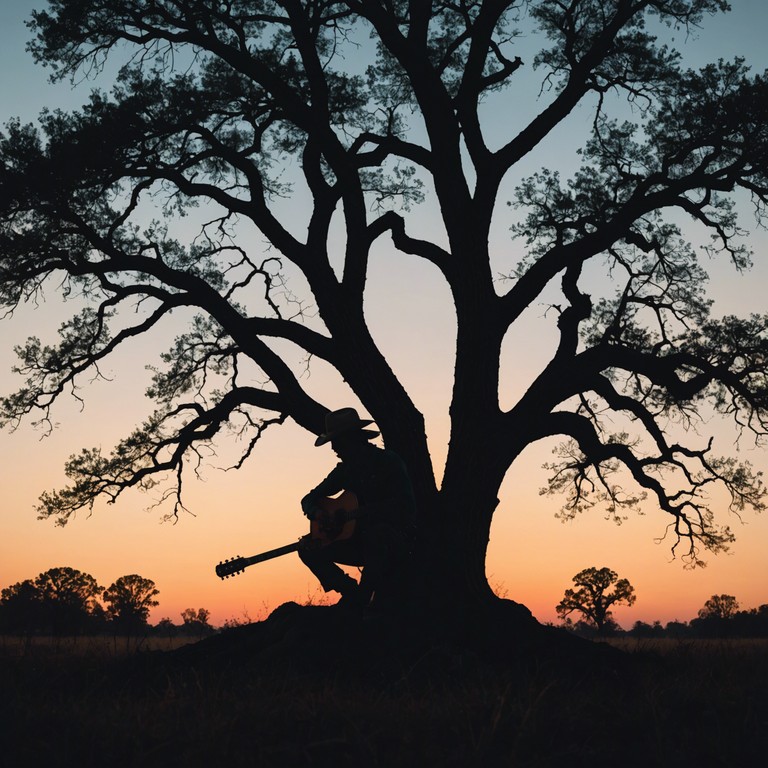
230,567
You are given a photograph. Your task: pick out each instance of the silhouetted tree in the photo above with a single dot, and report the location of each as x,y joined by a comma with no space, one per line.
587,629
719,607
303,130
166,628
677,629
68,600
129,600
592,598
196,622
715,619
751,623
643,629
21,608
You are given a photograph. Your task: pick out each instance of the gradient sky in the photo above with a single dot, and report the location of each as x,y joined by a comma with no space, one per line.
532,556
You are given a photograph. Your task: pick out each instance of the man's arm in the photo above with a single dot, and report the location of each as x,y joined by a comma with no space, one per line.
328,487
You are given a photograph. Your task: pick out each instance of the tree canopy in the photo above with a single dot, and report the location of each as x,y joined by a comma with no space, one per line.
301,135
65,600
196,622
59,601
129,600
593,599
719,607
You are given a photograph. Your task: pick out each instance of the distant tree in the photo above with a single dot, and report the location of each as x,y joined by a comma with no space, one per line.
129,600
677,629
20,608
98,620
592,598
641,629
646,630
196,622
751,623
719,607
69,600
716,618
585,628
166,627
761,616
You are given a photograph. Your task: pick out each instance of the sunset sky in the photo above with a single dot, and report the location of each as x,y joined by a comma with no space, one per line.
532,556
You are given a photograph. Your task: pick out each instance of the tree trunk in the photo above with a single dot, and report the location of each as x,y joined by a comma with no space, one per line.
456,542
448,587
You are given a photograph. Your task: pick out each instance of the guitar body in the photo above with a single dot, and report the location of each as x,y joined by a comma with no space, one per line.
335,523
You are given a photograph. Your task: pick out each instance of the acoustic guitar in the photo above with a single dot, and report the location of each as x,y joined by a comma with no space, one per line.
336,522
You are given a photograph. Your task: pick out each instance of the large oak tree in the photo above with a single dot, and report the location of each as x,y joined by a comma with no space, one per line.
353,112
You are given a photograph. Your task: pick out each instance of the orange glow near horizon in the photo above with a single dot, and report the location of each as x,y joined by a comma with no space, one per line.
532,556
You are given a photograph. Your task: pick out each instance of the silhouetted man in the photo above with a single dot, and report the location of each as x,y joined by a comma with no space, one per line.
383,530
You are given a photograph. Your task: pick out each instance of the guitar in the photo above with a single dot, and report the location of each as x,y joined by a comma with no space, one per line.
336,522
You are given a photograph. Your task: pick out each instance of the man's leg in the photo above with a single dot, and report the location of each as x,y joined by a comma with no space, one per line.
384,551
322,562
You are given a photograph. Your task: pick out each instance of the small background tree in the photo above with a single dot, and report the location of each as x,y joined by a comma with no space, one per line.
129,600
715,619
719,607
592,598
751,623
59,601
196,622
69,601
21,608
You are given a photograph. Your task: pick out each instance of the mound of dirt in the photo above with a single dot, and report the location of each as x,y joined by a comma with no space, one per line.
326,640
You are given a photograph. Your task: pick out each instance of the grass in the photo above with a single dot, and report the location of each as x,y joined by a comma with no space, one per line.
677,703
100,646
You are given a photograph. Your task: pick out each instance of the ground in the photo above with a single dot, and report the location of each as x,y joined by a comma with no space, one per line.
301,689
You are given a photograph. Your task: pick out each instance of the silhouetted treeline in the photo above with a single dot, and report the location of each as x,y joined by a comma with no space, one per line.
719,618
64,601
60,601
750,623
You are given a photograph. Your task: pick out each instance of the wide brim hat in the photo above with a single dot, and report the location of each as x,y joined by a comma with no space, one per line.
343,421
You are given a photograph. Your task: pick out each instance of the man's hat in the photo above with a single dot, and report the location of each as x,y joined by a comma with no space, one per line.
341,421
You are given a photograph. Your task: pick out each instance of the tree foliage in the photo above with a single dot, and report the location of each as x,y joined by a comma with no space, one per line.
719,607
594,597
129,600
20,607
58,601
277,125
65,601
196,622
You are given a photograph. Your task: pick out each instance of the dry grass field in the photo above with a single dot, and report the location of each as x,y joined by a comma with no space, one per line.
110,702
706,648
99,646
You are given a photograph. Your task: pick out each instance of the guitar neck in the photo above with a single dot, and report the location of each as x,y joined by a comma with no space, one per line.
346,503
260,558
